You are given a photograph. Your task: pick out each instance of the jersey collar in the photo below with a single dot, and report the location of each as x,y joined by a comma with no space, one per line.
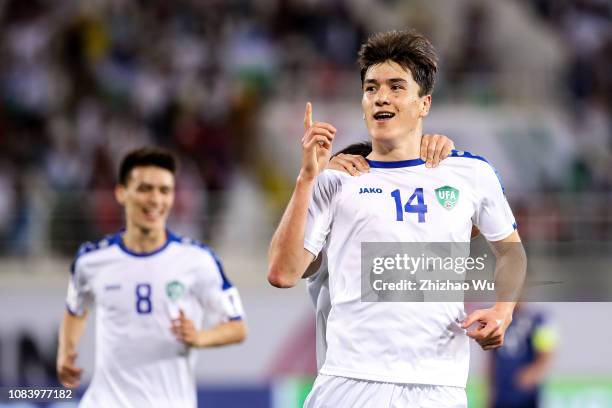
394,164
169,238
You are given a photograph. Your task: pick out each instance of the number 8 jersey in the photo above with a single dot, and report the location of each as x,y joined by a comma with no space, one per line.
403,201
138,360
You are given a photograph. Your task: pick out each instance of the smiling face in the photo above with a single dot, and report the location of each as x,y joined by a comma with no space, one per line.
147,197
391,103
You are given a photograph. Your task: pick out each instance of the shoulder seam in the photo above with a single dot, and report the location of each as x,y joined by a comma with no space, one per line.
198,244
466,154
93,246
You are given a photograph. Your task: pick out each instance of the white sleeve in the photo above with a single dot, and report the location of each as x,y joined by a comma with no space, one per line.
80,295
215,292
320,211
494,217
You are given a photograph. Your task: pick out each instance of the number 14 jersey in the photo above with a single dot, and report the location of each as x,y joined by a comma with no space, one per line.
400,342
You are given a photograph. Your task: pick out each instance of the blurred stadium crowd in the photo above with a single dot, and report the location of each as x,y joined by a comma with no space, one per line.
82,82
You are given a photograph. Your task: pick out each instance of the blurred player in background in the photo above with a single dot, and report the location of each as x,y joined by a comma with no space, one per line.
398,354
151,289
351,160
518,369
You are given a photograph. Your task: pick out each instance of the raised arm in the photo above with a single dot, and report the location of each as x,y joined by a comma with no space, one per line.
71,331
287,258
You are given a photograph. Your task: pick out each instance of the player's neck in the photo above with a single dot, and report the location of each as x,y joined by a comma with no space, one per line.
142,240
408,148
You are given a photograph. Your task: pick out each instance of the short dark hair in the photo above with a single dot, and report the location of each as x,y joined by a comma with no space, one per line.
146,156
362,149
410,49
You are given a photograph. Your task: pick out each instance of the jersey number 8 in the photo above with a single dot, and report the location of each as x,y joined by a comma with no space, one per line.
143,298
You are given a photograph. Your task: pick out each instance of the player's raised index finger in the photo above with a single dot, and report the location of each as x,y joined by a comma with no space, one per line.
308,116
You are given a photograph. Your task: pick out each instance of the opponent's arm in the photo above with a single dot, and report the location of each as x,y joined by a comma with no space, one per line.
534,374
223,334
287,258
510,269
71,331
544,341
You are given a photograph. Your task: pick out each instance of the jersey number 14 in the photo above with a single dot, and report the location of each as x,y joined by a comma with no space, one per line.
410,207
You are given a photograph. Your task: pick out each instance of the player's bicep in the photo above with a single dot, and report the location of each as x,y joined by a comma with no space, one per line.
507,245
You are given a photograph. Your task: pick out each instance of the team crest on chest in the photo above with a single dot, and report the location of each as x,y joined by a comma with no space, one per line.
447,196
175,290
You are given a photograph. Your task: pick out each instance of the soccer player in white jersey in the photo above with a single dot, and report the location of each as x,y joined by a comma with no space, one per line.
393,354
351,160
151,290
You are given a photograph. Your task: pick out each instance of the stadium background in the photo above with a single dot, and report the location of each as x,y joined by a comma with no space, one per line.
526,83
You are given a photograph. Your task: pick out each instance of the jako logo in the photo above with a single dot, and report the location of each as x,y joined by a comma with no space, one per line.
365,190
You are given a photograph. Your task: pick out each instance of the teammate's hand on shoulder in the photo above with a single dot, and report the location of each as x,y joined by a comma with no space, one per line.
68,373
353,164
184,330
435,148
492,324
316,145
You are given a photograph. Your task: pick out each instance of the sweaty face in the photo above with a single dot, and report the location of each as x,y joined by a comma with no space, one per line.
147,197
391,102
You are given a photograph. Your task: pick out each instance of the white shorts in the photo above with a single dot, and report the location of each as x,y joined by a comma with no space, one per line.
341,392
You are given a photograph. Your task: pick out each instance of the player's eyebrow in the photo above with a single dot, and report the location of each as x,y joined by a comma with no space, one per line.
145,184
390,81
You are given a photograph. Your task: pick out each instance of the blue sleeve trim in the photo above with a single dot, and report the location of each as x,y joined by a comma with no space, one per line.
226,282
515,226
463,153
235,318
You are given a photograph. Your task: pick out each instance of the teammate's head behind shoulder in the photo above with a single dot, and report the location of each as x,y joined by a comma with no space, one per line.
361,149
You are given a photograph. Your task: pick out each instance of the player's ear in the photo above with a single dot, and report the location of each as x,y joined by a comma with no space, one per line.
425,105
120,194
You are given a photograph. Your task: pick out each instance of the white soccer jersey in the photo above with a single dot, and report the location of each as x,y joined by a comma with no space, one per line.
399,342
318,290
139,363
